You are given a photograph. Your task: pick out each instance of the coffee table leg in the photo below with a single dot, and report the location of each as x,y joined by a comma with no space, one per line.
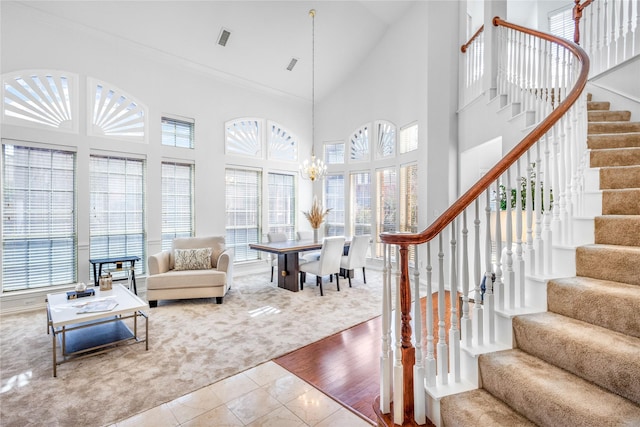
55,362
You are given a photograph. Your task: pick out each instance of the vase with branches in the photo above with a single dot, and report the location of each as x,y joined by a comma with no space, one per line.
316,216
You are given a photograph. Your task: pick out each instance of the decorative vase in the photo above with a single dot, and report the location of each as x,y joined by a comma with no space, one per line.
315,235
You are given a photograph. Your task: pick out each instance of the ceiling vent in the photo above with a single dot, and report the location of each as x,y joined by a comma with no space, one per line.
224,37
292,63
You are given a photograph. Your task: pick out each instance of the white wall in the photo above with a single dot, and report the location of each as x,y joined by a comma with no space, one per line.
31,40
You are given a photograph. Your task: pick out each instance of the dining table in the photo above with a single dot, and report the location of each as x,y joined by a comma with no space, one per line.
288,259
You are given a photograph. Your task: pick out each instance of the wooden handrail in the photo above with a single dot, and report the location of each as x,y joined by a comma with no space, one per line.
464,47
405,239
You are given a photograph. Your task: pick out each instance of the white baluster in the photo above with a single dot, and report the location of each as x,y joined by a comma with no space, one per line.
465,323
636,32
442,361
398,384
430,360
529,253
546,206
478,315
621,39
509,286
489,318
537,205
519,266
386,361
454,333
419,399
498,289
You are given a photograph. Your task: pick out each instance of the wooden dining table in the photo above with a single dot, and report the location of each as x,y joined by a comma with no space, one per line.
288,264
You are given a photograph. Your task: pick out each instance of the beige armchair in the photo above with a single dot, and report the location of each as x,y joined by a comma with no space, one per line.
196,267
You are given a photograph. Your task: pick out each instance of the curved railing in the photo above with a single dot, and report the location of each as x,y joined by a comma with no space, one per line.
541,73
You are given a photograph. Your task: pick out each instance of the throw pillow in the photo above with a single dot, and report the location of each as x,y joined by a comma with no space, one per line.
192,259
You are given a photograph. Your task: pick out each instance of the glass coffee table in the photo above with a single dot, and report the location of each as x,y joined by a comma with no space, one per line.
93,325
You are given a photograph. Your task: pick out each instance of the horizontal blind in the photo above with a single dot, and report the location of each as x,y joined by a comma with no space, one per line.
243,206
386,196
409,138
361,203
561,23
177,202
39,218
409,203
334,200
282,204
178,133
117,208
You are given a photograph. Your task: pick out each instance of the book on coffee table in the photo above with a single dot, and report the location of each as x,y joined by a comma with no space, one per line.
96,306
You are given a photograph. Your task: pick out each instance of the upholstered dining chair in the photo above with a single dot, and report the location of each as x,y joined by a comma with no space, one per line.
311,255
327,265
275,237
357,256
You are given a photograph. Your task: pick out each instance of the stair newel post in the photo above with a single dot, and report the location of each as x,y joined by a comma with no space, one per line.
537,206
547,237
465,324
419,399
386,361
488,280
478,331
442,362
498,288
408,350
454,332
509,286
530,253
519,265
398,371
430,360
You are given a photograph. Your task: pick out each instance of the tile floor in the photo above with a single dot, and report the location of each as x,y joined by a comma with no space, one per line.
267,395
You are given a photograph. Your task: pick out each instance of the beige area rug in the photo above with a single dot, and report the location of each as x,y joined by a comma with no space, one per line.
193,343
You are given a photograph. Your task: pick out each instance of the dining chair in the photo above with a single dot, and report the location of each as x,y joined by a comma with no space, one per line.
307,256
327,265
275,237
357,256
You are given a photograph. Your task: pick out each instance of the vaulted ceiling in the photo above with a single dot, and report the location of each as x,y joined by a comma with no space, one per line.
265,35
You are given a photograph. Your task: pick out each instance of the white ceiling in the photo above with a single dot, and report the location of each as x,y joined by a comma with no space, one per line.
265,35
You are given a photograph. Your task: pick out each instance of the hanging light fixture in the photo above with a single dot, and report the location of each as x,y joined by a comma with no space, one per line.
315,168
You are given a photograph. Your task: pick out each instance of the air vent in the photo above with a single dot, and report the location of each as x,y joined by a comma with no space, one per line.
224,37
292,63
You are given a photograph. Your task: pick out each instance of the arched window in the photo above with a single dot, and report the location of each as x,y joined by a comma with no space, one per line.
243,137
282,144
386,142
359,144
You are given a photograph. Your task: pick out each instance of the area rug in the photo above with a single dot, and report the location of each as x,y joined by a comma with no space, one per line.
192,343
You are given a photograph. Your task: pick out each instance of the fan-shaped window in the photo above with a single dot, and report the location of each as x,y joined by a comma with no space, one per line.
282,144
386,144
115,114
243,137
41,99
359,144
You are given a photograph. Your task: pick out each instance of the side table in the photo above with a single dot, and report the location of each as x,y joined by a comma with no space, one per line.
119,262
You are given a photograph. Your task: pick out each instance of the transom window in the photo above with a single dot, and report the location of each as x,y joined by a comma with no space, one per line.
386,143
334,153
243,137
282,144
39,218
409,138
115,114
178,132
359,144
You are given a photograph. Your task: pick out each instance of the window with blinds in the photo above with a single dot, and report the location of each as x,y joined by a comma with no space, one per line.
178,133
39,218
243,207
409,202
282,204
409,138
334,153
334,200
386,192
116,224
561,22
361,203
177,202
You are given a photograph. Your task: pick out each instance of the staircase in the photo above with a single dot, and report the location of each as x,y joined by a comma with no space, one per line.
578,364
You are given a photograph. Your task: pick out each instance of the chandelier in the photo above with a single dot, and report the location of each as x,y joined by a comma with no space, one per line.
315,168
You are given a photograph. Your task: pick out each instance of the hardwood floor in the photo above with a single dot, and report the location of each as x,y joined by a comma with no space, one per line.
346,366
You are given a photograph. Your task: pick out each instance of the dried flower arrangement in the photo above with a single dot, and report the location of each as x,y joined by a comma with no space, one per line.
316,215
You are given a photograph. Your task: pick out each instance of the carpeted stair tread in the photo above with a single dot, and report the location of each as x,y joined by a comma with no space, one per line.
609,262
619,177
628,156
624,201
613,140
621,230
611,305
550,396
606,358
613,127
478,408
598,105
609,116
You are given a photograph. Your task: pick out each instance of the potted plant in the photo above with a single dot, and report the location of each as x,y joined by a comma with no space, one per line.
316,216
